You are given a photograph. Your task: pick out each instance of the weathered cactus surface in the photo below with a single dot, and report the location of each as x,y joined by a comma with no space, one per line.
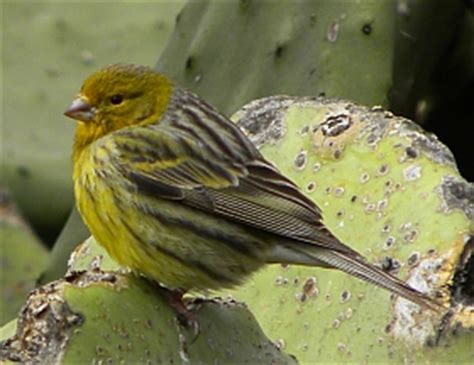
101,315
22,258
391,191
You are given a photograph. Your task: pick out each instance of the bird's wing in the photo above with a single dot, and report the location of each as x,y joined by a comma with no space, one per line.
234,182
237,184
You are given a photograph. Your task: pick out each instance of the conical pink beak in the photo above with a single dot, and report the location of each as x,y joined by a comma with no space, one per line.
81,110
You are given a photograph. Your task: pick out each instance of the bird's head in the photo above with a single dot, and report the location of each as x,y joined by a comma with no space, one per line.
118,96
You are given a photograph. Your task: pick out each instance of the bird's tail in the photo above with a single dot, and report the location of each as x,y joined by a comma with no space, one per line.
355,265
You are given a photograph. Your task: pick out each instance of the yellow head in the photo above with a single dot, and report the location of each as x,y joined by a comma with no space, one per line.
115,97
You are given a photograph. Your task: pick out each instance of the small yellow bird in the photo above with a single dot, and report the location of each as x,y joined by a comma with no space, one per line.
176,192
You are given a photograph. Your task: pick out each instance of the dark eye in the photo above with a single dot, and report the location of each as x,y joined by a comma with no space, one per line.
116,99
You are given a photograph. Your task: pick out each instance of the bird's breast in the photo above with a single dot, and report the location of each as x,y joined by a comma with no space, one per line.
96,188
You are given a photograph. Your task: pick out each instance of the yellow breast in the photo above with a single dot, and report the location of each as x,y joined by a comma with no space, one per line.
131,238
95,201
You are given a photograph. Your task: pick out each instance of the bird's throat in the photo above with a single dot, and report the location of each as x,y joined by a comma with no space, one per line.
86,133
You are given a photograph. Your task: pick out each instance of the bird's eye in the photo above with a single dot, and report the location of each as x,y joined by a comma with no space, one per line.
116,99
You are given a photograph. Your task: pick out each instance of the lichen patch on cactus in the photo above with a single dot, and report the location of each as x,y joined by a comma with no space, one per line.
457,194
263,122
45,325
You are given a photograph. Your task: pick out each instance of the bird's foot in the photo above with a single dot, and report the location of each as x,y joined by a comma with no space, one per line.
185,316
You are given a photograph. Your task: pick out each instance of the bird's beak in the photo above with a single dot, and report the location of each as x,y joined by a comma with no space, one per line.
80,109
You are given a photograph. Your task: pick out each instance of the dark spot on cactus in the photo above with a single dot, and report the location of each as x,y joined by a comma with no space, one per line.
301,297
337,154
382,169
386,228
411,236
311,187
322,94
300,160
431,251
354,198
462,289
382,204
189,63
364,177
411,152
389,264
367,29
312,19
279,51
413,258
312,71
178,17
23,171
389,242
335,125
431,342
345,296
369,208
309,288
74,275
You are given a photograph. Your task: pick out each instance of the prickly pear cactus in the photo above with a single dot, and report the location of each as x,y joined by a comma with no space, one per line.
232,52
391,191
101,314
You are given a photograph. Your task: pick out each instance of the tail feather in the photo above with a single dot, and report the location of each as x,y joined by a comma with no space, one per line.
357,266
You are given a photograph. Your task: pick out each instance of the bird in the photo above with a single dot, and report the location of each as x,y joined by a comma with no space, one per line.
176,192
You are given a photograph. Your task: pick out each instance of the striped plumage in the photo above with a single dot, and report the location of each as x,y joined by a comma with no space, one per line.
175,191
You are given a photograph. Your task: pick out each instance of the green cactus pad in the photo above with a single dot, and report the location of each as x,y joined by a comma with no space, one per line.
387,189
95,315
